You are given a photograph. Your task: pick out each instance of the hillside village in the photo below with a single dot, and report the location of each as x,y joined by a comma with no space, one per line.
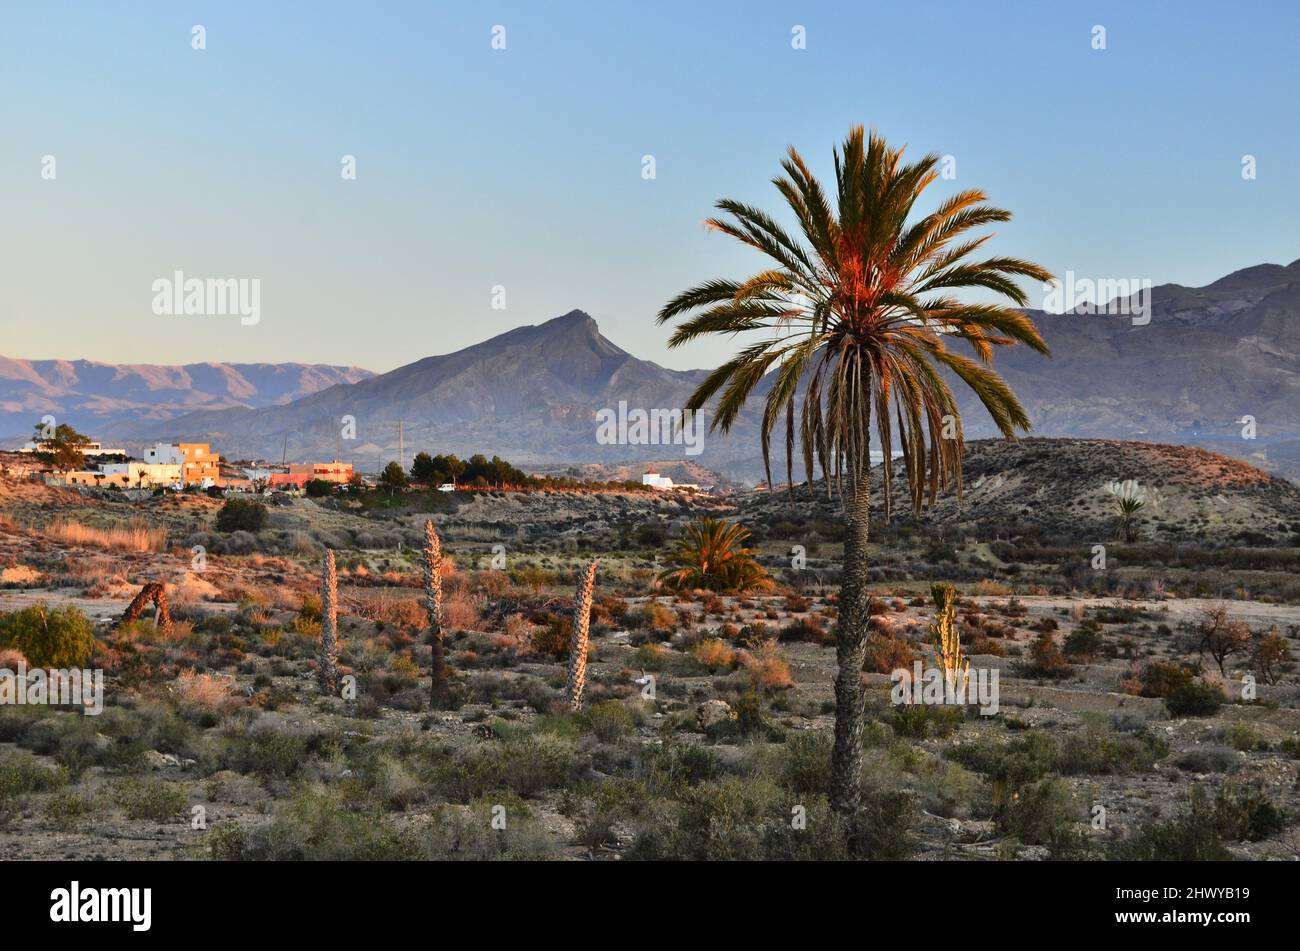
180,466
69,459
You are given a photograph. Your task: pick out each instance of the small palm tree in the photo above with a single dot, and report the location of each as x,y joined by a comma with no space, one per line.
854,321
1129,500
711,556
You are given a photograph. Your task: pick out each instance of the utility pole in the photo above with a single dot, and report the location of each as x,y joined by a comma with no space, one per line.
401,446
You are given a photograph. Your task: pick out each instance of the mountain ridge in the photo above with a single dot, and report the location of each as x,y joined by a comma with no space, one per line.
1208,358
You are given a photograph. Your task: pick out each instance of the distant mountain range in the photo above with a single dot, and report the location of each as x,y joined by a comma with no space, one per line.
106,400
1208,357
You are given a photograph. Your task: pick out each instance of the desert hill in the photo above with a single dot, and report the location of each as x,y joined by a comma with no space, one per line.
1057,488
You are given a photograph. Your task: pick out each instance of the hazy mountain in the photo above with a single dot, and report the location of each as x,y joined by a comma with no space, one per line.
104,399
530,395
1208,357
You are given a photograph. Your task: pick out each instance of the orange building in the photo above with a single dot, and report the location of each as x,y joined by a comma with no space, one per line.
300,475
199,464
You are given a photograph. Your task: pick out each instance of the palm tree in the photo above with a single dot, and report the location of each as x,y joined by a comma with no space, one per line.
711,555
1129,499
855,320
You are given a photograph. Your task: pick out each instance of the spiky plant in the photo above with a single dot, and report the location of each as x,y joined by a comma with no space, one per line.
855,316
943,630
327,667
711,555
581,631
440,685
1129,499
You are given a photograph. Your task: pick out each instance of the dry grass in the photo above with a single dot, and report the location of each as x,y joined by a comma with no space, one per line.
134,536
391,608
766,668
714,654
210,691
461,612
10,658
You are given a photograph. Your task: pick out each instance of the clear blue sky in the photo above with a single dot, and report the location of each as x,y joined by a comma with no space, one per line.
522,167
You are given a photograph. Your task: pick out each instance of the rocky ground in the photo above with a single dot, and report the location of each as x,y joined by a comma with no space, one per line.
707,723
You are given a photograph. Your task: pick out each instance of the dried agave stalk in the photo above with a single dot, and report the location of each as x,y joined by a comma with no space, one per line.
440,686
578,643
328,659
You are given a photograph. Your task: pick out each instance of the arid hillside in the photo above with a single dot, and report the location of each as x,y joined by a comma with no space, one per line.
1059,488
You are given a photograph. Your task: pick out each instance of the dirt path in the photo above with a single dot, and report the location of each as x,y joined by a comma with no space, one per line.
94,608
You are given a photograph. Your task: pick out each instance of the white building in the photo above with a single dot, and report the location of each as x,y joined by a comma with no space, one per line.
656,481
165,455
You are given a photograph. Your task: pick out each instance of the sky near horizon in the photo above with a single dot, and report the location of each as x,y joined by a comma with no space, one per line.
522,167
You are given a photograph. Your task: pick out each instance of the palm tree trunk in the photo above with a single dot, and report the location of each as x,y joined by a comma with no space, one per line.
851,645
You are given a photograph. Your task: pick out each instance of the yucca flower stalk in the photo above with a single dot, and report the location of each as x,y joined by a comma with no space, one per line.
943,630
853,319
439,685
579,640
327,661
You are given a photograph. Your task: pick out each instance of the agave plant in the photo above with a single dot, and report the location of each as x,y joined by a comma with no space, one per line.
854,317
1130,499
711,555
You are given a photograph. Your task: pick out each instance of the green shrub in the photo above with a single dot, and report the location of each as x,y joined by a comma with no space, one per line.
269,753
65,810
318,488
597,808
552,640
1046,661
921,720
1160,678
1084,642
20,774
523,764
1192,837
609,720
1101,752
1246,813
469,833
1015,763
58,637
318,824
1195,699
806,763
241,515
1243,736
1045,813
148,798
